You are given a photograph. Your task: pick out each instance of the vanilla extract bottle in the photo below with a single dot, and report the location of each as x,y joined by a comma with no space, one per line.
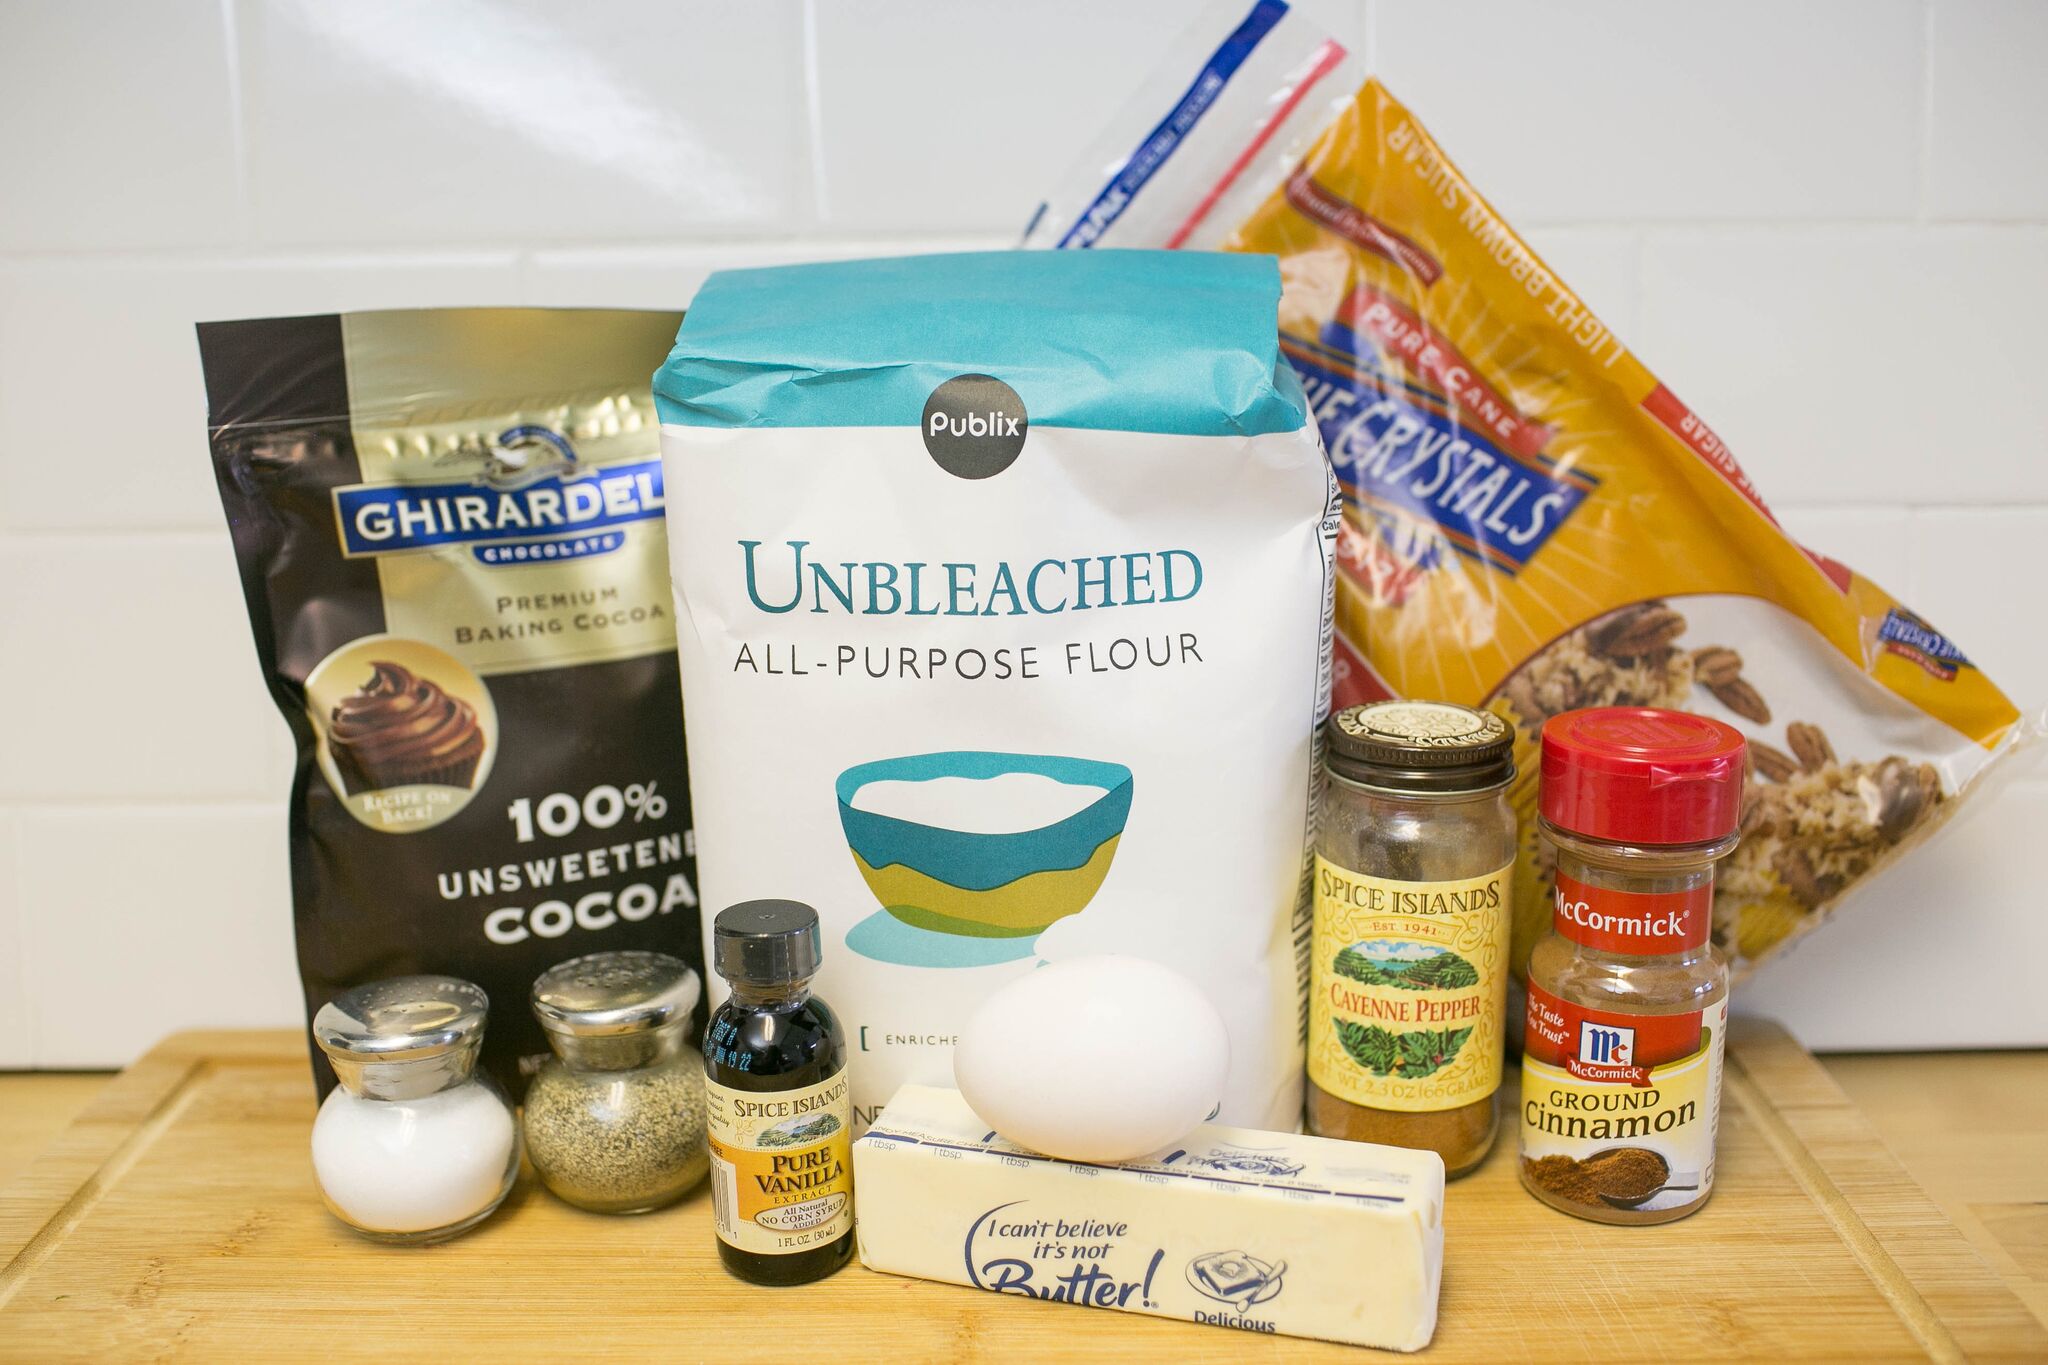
779,1109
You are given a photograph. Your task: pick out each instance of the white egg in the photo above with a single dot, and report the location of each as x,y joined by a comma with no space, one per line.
1098,1059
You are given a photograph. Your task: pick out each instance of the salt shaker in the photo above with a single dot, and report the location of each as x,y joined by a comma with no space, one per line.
414,1145
614,1120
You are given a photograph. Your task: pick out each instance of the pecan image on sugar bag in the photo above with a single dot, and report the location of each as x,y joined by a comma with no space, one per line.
1533,520
1812,824
1627,658
1810,830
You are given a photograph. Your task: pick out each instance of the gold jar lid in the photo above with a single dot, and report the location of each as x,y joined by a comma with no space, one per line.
1429,747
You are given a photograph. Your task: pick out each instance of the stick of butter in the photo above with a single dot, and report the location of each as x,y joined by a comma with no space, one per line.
1269,1232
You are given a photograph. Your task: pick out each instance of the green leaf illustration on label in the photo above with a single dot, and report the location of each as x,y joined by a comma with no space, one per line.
1426,1051
1411,1055
1370,1046
1406,967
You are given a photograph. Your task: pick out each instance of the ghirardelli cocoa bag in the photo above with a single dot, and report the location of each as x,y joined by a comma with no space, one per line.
449,525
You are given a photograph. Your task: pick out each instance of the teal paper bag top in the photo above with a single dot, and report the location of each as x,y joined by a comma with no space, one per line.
1181,343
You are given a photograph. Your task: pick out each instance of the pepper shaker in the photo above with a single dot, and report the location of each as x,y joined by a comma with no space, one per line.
615,1119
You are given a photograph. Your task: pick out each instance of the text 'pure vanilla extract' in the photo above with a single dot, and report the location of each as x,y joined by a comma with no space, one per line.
780,1110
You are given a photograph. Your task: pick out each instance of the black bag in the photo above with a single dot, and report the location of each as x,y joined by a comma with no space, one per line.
451,537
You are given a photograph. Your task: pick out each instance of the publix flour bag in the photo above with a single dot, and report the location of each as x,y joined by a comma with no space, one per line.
1002,589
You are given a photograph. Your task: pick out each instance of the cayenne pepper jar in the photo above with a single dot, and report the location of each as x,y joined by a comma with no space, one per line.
1628,999
1415,851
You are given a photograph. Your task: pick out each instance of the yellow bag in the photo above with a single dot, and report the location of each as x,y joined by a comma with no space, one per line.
1534,522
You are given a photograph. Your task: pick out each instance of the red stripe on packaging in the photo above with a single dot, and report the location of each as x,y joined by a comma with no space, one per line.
1403,334
1682,422
1355,225
1936,667
1836,571
1601,1045
1353,681
1321,64
1632,922
1365,559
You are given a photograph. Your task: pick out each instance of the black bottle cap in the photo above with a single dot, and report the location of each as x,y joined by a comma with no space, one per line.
766,943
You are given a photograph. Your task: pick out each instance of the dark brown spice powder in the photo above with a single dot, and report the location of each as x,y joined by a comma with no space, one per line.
1625,1173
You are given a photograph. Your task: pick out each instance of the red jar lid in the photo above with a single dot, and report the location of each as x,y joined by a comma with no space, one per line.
1640,775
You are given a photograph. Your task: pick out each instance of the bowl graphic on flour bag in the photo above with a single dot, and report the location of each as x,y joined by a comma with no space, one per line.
973,854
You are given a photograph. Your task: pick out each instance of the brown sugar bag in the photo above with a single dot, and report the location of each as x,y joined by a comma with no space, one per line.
1534,522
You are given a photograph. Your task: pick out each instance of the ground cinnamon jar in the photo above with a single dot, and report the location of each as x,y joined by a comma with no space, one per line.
1415,850
1628,1000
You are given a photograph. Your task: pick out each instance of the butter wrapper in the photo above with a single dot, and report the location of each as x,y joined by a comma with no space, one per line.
1265,1232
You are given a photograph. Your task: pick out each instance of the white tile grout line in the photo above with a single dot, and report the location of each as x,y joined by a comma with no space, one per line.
1910,590
1639,286
549,252
195,533
814,115
1924,160
140,805
10,832
1809,227
238,139
207,533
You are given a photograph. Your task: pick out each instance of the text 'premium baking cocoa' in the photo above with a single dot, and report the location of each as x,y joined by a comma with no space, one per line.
449,527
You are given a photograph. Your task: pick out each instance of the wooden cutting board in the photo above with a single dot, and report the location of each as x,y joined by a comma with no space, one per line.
177,1217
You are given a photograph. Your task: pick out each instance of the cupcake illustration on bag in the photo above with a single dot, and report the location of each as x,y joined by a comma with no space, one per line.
399,730
406,732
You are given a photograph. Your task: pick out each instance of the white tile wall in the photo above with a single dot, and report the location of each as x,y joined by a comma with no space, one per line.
1963,565
120,127
17,1033
1877,541
1964,887
1599,110
1825,224
140,919
99,369
1603,266
521,120
1884,364
949,117
666,277
131,674
1988,110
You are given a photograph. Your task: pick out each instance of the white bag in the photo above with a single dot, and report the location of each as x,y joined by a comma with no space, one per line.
1002,589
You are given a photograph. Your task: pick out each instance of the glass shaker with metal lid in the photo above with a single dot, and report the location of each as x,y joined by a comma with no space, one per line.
414,1144
614,1120
1415,851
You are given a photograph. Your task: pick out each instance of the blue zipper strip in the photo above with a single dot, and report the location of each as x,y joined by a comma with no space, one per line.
1163,141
